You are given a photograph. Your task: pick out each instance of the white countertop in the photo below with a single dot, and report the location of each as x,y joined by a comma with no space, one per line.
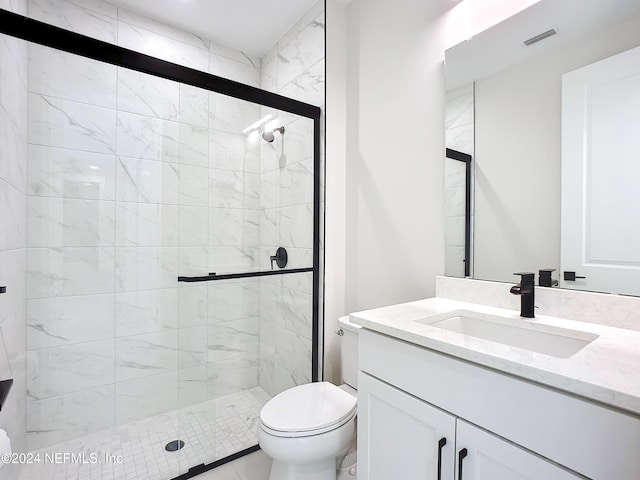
607,370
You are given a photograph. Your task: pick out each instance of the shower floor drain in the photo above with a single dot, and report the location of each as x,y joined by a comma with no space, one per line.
174,446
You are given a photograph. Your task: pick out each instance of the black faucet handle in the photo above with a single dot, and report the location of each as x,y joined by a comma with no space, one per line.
526,276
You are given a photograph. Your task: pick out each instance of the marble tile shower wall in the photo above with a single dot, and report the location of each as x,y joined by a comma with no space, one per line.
13,202
459,135
132,181
294,67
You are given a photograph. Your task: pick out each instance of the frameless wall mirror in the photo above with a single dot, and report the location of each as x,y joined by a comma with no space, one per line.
549,101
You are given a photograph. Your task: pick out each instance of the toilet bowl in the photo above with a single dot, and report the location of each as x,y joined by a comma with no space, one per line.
308,429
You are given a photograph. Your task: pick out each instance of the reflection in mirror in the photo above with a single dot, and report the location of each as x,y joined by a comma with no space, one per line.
517,117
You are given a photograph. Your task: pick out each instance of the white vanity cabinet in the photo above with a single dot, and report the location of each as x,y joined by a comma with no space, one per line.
409,397
482,456
401,436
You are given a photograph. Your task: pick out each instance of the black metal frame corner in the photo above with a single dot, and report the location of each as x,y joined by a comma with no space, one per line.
465,158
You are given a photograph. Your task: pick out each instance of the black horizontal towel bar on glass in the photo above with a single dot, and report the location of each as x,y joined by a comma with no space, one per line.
229,276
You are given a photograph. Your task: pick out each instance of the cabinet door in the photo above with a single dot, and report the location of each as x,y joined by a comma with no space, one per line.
400,436
483,456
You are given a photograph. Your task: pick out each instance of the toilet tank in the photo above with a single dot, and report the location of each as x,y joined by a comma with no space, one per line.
349,350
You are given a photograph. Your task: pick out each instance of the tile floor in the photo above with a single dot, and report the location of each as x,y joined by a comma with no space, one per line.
211,430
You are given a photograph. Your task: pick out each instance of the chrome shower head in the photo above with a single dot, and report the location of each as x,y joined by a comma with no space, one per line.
268,135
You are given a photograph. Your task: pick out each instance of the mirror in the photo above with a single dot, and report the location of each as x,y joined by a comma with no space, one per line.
505,109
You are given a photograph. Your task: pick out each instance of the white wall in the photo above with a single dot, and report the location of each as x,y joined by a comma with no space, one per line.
518,155
395,140
335,193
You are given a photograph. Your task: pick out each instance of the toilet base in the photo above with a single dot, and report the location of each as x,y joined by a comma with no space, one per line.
316,471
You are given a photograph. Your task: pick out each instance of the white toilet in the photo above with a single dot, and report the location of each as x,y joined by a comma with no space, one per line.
307,429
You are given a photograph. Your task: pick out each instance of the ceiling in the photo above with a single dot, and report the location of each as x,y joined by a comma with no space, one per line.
253,26
502,45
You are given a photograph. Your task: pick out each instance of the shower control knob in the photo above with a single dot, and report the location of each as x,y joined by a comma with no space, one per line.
281,258
571,276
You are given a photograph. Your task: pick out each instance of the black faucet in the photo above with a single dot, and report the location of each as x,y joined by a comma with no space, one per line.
526,291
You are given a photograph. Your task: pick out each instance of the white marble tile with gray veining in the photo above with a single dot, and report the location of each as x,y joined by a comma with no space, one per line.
88,21
193,304
270,189
57,172
296,183
13,155
454,204
194,145
455,173
454,230
60,74
143,397
162,29
460,138
291,309
69,416
459,107
63,271
230,114
194,186
146,137
194,261
194,105
234,300
13,274
270,227
193,385
13,205
233,338
146,311
308,86
159,46
146,225
62,123
269,74
145,268
229,226
60,370
193,346
234,259
146,355
13,95
298,141
301,52
147,95
232,69
233,375
296,226
58,321
237,153
194,226
147,181
226,189
251,191
68,222
454,261
233,54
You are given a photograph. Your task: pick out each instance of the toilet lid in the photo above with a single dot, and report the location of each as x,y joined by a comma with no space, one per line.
309,407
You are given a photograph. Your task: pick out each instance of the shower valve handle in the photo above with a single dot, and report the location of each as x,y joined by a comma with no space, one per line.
281,258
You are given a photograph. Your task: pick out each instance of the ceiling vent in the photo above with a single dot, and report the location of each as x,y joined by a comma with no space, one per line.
540,37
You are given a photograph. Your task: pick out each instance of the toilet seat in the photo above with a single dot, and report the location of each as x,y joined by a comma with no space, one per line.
306,410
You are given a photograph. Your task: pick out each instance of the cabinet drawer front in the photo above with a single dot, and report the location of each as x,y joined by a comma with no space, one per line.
588,438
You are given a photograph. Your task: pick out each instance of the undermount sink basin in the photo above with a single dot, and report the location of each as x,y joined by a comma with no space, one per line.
554,341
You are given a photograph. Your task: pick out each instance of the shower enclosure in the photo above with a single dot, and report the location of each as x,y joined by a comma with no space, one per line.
160,202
